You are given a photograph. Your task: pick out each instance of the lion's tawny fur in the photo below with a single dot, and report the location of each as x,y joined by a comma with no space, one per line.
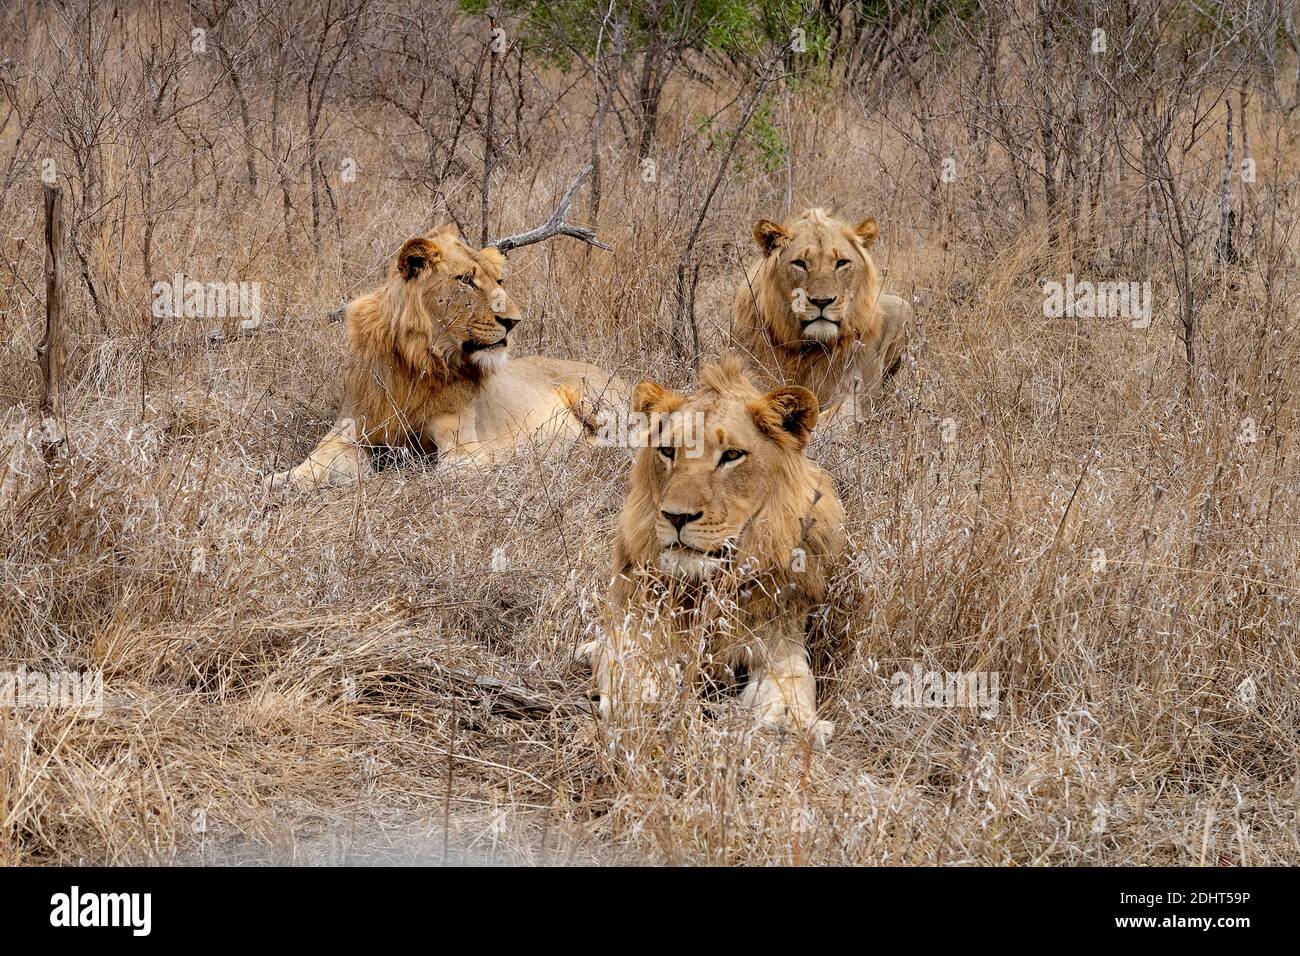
773,512
811,257
428,367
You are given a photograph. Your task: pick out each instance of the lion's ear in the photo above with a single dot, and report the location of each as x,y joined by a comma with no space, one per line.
770,235
867,231
787,415
650,397
415,256
494,257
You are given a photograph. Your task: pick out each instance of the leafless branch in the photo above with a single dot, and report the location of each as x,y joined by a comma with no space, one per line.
557,225
53,348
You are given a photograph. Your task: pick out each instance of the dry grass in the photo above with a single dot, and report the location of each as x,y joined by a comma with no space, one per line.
291,666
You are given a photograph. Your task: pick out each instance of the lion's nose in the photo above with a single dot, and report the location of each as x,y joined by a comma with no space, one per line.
680,519
822,303
506,323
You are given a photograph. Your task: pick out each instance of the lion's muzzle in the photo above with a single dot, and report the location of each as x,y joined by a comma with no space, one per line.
820,328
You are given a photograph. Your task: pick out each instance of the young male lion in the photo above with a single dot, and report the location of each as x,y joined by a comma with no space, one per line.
811,311
725,538
429,367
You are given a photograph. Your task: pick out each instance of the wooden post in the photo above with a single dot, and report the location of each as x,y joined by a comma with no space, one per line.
53,348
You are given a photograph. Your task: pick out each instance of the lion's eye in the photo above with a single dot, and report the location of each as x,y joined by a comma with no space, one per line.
841,263
467,279
799,264
668,451
730,455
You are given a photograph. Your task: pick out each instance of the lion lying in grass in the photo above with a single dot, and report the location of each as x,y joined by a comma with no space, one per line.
812,312
725,537
429,367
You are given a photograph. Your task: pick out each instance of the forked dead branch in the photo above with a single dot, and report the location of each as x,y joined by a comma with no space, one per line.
557,224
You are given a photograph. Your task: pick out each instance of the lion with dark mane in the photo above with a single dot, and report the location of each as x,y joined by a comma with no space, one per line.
429,368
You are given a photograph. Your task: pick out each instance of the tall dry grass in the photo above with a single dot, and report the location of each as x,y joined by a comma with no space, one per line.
291,678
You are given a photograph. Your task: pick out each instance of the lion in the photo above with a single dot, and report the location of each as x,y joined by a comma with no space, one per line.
429,368
812,312
728,532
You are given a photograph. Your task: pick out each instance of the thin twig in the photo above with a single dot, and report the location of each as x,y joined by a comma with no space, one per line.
685,297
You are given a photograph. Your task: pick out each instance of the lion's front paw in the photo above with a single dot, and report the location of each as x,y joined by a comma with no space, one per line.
791,721
300,478
311,475
589,655
281,479
822,731
586,653
785,709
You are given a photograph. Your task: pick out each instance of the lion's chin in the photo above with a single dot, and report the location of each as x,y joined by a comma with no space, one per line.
689,564
490,359
821,330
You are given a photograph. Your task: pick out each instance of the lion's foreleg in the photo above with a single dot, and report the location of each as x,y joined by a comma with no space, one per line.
598,655
893,334
338,459
875,364
782,691
456,435
631,673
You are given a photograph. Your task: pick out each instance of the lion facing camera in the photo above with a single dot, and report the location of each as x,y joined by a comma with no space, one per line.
724,542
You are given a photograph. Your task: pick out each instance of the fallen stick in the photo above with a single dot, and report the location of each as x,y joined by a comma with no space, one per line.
512,698
247,327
